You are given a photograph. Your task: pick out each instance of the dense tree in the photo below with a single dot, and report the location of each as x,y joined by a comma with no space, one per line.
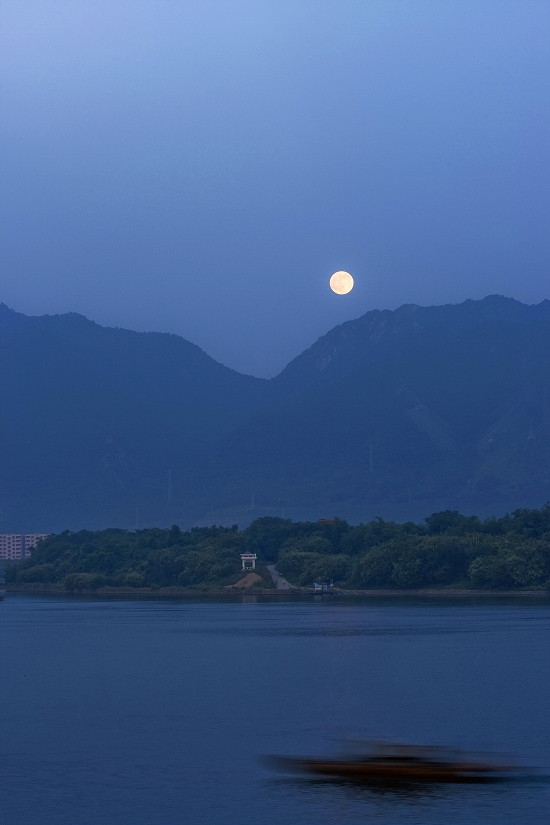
448,549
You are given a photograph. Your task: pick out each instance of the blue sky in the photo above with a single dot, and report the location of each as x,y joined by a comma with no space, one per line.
203,167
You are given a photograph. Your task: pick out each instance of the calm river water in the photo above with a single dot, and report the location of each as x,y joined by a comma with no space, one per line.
155,712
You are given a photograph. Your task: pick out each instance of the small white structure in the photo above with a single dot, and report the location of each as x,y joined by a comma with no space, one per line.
249,561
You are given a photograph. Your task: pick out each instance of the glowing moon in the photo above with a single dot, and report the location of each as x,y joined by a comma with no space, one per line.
341,282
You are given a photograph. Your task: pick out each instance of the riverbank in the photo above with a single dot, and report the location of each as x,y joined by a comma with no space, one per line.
184,593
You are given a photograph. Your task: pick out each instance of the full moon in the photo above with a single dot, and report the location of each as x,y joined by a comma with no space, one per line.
341,282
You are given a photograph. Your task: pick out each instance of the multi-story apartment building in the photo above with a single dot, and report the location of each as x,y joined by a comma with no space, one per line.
18,545
30,540
11,545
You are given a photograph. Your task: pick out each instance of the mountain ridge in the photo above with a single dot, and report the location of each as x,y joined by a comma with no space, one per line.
385,322
422,406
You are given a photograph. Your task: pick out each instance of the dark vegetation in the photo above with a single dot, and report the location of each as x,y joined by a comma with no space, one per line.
447,549
399,413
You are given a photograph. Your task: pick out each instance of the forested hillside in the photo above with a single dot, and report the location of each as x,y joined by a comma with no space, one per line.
447,549
404,413
97,422
396,414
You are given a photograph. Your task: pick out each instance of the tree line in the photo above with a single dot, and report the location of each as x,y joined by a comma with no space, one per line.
447,549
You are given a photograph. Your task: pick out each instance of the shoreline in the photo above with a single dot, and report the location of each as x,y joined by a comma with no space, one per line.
166,592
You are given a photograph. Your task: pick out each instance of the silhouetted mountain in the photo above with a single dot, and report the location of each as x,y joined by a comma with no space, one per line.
404,413
396,413
93,419
378,335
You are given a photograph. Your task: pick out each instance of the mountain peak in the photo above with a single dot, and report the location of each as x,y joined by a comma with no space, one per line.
352,343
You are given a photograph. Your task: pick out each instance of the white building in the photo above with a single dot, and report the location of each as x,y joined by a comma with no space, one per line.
19,545
11,545
248,561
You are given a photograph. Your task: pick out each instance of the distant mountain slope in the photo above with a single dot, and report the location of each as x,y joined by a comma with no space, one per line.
378,334
93,419
429,407
396,413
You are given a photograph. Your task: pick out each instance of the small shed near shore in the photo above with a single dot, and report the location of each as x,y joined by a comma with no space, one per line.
325,586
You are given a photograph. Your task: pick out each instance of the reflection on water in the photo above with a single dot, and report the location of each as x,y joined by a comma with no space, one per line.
141,712
365,790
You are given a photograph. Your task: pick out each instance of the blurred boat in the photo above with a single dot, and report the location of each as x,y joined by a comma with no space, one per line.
389,762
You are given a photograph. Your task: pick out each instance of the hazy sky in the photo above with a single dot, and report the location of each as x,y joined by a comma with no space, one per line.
203,167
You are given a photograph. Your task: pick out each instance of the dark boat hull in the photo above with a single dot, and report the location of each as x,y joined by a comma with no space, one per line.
374,771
